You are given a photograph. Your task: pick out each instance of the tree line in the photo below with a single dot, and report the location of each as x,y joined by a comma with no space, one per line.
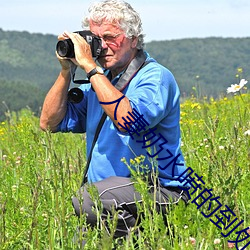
202,67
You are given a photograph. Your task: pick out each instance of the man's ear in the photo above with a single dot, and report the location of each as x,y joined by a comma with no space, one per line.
134,42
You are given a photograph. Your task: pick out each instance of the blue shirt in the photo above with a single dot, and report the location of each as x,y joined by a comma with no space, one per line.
153,93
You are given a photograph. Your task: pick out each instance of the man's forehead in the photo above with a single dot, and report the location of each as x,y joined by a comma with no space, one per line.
105,26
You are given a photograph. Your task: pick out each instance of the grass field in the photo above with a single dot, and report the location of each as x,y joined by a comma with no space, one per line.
40,172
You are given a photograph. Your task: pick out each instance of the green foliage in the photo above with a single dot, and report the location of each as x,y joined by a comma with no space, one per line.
14,95
208,62
28,58
28,68
40,172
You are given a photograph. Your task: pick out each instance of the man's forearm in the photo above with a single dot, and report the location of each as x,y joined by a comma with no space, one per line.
55,103
106,92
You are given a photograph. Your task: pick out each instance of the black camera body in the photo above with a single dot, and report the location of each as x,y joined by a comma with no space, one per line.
65,48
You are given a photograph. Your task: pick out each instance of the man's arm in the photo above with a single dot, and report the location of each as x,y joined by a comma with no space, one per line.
55,103
105,91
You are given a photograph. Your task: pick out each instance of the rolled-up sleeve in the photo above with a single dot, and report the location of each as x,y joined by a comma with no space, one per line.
75,117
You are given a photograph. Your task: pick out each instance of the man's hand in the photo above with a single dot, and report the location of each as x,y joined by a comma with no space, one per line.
83,54
66,63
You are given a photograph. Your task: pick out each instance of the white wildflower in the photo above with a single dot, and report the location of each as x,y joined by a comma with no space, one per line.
247,133
237,87
217,241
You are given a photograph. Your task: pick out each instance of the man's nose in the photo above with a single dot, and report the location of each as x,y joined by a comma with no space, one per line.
104,44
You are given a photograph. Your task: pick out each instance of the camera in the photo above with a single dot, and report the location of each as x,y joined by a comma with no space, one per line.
65,48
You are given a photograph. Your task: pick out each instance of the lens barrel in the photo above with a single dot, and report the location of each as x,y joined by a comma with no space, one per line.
65,48
75,95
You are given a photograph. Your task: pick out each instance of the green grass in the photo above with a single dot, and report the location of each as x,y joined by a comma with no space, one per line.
40,172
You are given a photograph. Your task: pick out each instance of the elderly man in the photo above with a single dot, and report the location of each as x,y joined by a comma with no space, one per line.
140,100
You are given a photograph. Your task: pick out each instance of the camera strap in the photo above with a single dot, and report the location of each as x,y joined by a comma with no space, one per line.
136,64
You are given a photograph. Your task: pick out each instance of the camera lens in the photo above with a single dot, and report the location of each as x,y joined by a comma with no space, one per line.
75,95
65,48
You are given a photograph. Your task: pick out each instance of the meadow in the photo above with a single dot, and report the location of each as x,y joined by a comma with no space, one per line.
40,172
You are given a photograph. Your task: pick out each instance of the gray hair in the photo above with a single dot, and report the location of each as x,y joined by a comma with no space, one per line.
120,13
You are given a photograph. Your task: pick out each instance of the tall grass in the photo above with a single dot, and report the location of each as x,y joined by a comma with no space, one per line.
40,172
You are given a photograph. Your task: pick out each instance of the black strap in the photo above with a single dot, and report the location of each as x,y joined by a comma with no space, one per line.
136,64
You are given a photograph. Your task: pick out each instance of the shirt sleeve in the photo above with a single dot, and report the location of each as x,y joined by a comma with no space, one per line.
156,95
75,117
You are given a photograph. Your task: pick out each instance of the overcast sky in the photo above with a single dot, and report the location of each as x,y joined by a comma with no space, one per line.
162,19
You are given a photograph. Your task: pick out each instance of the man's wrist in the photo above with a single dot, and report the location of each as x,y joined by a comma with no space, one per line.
97,70
65,73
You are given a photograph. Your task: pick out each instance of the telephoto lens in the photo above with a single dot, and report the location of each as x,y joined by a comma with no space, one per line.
65,48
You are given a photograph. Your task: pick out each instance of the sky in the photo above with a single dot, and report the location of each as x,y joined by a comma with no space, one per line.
162,19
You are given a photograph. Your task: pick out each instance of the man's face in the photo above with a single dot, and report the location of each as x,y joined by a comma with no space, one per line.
118,50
